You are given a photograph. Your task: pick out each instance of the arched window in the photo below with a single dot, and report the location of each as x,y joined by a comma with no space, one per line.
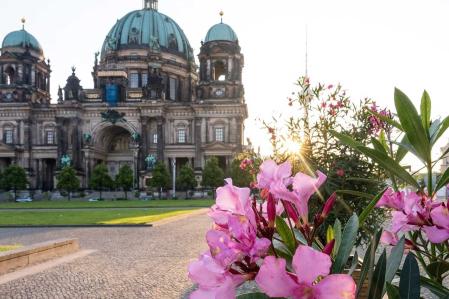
219,71
10,75
8,135
49,136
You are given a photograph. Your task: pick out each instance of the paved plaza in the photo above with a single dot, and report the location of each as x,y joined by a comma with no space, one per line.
127,262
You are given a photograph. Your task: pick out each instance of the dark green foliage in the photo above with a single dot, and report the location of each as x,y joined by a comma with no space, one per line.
100,179
186,178
68,181
213,175
161,177
409,286
14,178
244,177
125,179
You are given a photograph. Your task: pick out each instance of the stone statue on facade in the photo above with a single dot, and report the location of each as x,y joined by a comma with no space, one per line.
66,161
151,162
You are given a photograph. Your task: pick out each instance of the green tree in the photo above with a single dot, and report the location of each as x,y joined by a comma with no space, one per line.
161,178
125,179
213,175
100,179
15,178
68,181
244,177
186,178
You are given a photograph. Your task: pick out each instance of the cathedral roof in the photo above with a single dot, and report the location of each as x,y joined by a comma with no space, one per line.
147,28
21,39
221,32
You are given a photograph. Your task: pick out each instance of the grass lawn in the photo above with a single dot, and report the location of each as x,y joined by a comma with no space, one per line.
4,248
68,217
64,204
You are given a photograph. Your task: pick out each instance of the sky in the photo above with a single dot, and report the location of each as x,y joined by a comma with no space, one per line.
369,47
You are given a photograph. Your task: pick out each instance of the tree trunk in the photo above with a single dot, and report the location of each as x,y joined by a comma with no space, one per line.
100,194
15,194
70,195
126,195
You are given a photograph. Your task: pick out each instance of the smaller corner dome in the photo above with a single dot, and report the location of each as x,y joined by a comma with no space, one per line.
221,32
22,39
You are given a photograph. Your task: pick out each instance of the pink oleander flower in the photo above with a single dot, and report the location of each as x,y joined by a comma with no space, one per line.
391,199
214,281
439,232
304,187
311,279
233,199
271,173
246,163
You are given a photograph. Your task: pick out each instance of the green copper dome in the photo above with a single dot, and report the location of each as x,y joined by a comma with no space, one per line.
221,32
21,39
147,28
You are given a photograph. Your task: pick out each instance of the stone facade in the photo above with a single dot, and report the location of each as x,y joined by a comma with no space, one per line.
148,99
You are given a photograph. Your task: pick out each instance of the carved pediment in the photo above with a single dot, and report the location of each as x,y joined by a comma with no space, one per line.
6,150
219,146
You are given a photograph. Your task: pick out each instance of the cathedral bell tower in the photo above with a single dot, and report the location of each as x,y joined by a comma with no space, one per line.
221,64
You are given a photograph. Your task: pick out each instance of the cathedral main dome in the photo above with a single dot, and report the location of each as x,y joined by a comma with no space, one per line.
147,28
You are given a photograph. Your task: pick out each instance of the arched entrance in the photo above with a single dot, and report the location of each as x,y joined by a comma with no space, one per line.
114,147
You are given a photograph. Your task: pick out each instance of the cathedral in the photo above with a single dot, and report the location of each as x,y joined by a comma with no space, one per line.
150,101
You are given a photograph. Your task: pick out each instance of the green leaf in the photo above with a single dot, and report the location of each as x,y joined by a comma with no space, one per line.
392,291
437,269
355,193
386,119
426,108
443,181
286,233
401,152
434,287
389,164
347,243
337,237
253,296
443,127
365,213
329,234
371,251
394,260
412,125
345,139
378,281
409,284
282,250
378,146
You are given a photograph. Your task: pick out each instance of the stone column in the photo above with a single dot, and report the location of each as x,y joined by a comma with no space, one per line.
198,139
39,174
144,150
160,139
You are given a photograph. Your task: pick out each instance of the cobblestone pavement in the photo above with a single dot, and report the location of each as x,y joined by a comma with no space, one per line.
129,262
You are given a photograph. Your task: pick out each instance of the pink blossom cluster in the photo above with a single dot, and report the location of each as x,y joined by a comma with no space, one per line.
241,241
376,123
246,163
414,211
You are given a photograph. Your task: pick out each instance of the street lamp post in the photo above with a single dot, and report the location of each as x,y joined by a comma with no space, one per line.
173,163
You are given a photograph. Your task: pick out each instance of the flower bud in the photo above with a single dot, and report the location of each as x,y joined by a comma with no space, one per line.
291,211
271,210
329,205
329,247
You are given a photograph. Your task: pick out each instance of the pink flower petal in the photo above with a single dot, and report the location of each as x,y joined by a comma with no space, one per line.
309,264
206,271
225,290
389,238
273,278
435,234
440,216
233,199
335,286
306,186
